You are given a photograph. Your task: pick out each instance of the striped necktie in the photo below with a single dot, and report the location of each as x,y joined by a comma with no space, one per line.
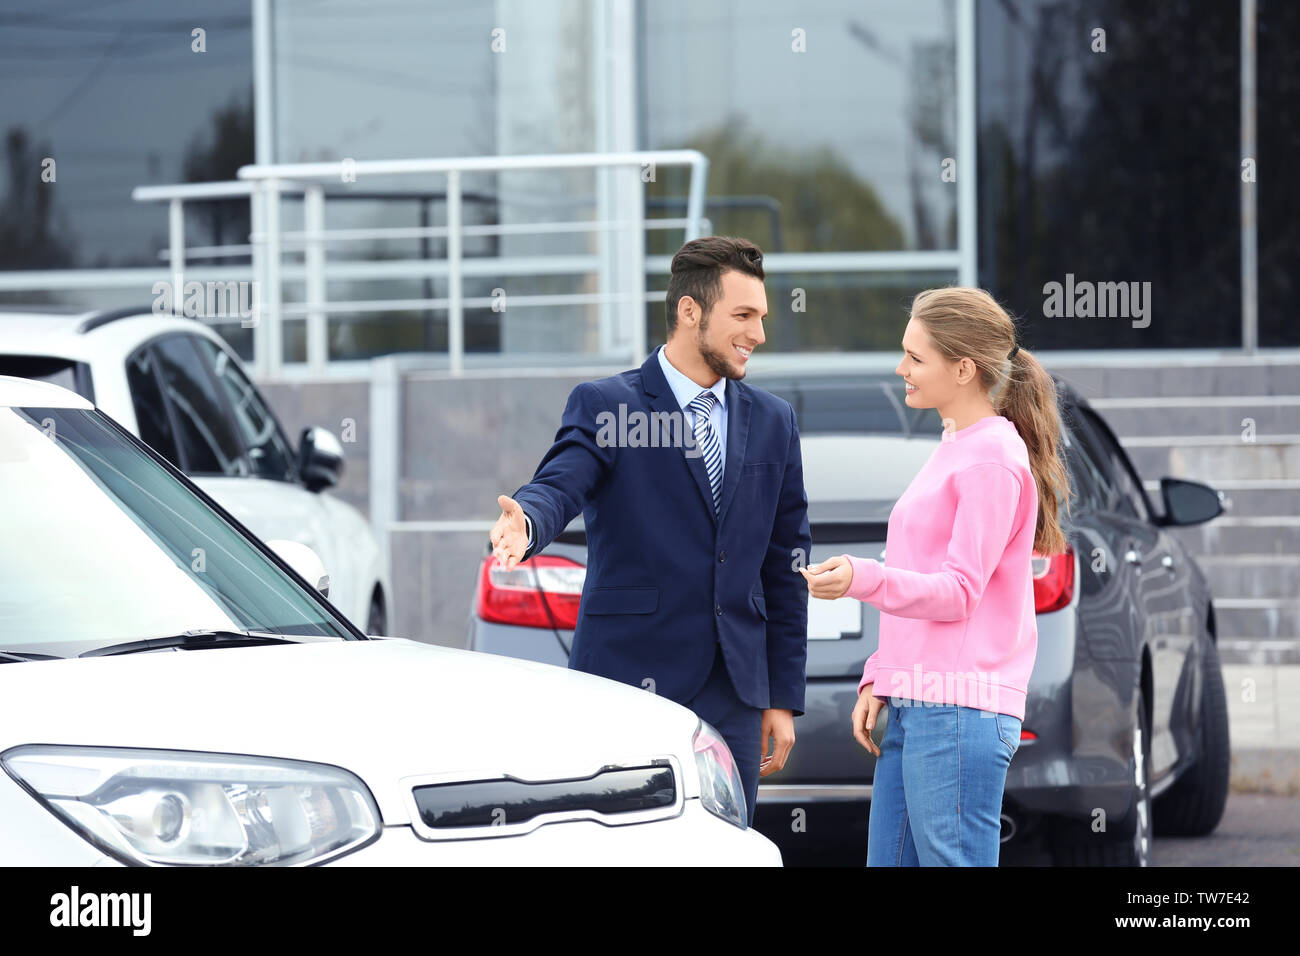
707,441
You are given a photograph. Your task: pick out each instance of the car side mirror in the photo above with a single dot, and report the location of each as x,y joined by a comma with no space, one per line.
304,561
1189,502
320,458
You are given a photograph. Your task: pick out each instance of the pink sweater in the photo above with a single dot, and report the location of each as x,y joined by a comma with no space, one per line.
957,598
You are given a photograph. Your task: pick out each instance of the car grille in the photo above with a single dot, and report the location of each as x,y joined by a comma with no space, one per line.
506,805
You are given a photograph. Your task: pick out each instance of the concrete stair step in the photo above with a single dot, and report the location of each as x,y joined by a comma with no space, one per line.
1149,375
1261,502
1276,536
1251,575
1207,457
1201,415
1238,649
1264,618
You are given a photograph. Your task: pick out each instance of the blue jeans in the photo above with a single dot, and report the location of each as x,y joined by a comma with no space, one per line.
936,799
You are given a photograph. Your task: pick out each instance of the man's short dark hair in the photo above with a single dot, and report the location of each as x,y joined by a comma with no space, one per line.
698,266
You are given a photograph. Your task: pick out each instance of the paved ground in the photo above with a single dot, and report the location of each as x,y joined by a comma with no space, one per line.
1258,829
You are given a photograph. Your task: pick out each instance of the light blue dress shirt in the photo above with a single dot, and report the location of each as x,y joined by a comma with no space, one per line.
685,391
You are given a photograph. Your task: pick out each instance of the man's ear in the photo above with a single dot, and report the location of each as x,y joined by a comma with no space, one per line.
688,311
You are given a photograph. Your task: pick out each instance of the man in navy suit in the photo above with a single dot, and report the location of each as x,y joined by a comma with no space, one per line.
691,487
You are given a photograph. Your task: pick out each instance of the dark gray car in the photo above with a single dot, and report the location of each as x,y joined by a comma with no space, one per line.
1125,720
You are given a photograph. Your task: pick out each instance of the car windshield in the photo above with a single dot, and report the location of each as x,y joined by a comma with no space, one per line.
103,545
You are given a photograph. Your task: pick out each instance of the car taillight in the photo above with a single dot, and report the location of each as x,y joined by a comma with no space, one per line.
1053,580
543,591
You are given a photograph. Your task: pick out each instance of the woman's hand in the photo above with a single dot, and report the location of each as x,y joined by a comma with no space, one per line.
864,718
830,579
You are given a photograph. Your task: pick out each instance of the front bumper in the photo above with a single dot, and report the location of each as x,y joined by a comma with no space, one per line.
693,838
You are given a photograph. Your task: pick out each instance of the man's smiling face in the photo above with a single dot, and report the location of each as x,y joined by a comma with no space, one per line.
734,326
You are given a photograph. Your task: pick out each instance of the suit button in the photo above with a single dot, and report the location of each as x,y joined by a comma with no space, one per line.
722,556
717,608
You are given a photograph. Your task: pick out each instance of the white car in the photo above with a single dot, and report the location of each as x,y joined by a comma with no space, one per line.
173,692
175,384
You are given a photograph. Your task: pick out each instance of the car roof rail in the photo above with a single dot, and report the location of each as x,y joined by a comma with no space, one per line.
112,315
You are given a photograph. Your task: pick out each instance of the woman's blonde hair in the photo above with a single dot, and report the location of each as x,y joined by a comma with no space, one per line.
969,323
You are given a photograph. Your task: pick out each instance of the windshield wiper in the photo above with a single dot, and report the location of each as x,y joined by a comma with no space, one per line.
14,657
190,641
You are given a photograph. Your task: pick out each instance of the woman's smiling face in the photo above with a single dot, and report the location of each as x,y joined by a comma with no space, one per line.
931,381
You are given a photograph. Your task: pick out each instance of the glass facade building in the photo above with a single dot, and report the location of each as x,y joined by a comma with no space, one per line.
871,148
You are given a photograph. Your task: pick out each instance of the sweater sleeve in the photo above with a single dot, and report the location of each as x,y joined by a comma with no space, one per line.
869,673
988,496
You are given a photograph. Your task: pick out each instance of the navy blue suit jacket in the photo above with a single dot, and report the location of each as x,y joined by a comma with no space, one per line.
667,578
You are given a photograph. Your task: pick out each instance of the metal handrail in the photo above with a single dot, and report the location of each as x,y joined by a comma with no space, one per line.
264,185
271,176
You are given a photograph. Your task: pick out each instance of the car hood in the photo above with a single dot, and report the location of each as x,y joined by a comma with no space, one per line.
385,710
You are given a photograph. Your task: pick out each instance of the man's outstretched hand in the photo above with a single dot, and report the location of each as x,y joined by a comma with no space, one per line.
509,534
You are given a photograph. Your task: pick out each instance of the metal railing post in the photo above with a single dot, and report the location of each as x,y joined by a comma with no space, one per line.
636,311
257,254
455,303
273,337
385,456
695,197
314,261
1249,218
967,146
176,252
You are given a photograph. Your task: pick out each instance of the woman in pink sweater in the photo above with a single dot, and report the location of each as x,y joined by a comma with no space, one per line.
958,631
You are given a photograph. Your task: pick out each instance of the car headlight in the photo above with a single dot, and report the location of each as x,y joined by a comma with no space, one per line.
157,807
721,790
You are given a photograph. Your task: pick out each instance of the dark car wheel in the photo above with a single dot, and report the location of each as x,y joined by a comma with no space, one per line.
377,620
1193,806
1129,843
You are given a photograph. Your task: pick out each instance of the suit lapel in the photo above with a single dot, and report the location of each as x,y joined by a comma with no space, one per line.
738,408
662,399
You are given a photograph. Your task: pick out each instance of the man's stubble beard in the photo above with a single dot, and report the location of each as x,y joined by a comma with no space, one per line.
716,362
